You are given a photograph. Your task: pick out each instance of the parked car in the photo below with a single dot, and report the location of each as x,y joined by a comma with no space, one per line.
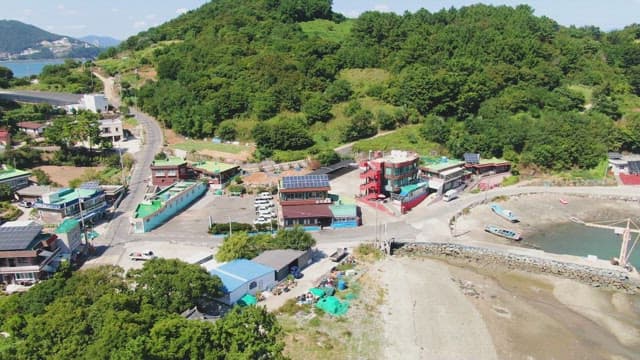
262,202
25,203
265,196
267,213
145,255
261,220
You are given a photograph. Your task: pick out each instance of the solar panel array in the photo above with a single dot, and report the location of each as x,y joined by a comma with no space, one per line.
306,181
634,167
471,158
18,237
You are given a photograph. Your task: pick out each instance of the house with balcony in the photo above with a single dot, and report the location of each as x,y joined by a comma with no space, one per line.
395,176
83,204
26,254
16,179
168,171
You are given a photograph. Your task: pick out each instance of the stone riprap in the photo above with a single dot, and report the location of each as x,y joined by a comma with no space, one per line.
594,276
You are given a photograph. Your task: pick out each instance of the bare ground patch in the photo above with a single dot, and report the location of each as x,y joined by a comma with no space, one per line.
63,174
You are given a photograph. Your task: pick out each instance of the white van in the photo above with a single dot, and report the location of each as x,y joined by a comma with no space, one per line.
450,195
265,196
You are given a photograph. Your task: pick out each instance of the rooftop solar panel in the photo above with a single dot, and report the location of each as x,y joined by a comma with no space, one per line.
471,158
306,181
634,167
18,237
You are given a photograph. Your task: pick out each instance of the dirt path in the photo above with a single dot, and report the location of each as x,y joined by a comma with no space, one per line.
427,316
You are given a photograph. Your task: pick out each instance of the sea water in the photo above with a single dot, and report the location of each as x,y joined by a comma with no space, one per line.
22,68
575,239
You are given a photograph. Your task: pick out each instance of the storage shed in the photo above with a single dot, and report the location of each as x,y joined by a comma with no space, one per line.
241,277
282,261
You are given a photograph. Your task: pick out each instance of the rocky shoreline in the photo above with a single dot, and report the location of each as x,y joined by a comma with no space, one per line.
596,277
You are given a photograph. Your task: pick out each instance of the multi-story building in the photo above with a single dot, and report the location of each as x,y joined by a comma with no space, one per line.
393,176
16,179
168,171
305,201
83,203
111,128
26,253
443,173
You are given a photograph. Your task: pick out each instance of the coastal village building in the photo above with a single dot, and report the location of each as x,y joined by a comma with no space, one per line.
479,166
26,254
84,203
283,260
155,211
5,139
111,128
625,167
217,173
168,171
173,169
305,201
443,174
16,179
69,239
393,176
241,277
32,128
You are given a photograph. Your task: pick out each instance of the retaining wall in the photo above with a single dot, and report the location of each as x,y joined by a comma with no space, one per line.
594,276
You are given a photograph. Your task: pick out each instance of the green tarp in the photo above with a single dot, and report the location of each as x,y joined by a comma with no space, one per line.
333,306
317,292
247,300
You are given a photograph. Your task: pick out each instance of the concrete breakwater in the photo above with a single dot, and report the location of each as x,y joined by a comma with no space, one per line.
594,276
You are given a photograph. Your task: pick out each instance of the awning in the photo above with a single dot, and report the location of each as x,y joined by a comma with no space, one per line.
247,300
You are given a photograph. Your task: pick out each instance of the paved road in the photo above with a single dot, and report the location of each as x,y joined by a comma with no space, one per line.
59,99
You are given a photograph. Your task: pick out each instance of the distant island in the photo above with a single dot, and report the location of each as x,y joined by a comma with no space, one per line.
20,41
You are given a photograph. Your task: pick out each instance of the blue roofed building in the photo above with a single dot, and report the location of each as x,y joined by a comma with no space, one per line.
241,277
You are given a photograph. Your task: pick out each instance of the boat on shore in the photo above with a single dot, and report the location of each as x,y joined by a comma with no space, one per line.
504,213
563,201
505,233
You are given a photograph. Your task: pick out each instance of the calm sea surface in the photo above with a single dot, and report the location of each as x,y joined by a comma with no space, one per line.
23,68
576,239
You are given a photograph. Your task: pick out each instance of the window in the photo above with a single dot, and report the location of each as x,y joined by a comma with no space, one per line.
252,285
159,172
171,173
25,276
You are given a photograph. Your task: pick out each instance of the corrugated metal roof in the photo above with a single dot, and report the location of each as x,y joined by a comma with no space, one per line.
278,259
306,211
238,272
66,226
343,210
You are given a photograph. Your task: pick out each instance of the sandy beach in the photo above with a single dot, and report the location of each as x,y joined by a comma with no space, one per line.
453,309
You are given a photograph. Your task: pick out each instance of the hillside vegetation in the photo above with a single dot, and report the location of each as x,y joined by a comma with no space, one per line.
494,80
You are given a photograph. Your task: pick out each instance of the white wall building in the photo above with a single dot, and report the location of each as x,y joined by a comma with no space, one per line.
111,128
92,102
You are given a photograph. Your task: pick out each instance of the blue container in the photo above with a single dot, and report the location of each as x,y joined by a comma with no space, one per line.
342,284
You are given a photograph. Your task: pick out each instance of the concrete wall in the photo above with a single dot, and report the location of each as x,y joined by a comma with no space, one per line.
167,212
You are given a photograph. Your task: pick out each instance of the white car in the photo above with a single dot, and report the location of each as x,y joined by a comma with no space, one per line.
267,213
261,220
262,202
265,196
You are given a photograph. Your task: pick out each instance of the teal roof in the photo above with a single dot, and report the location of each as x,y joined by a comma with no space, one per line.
9,173
343,210
212,167
170,161
66,195
438,164
407,189
66,226
147,208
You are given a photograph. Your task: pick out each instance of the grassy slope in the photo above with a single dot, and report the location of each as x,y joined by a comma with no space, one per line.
327,29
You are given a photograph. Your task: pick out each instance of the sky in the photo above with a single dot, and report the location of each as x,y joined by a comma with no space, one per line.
123,18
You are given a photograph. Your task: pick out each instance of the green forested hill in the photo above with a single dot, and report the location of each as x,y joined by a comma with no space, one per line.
496,80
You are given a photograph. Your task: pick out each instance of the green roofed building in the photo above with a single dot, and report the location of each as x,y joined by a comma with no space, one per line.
218,173
69,236
168,171
16,179
345,216
86,202
157,210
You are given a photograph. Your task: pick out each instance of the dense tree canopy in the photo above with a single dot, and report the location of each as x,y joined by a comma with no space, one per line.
100,314
254,59
241,245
